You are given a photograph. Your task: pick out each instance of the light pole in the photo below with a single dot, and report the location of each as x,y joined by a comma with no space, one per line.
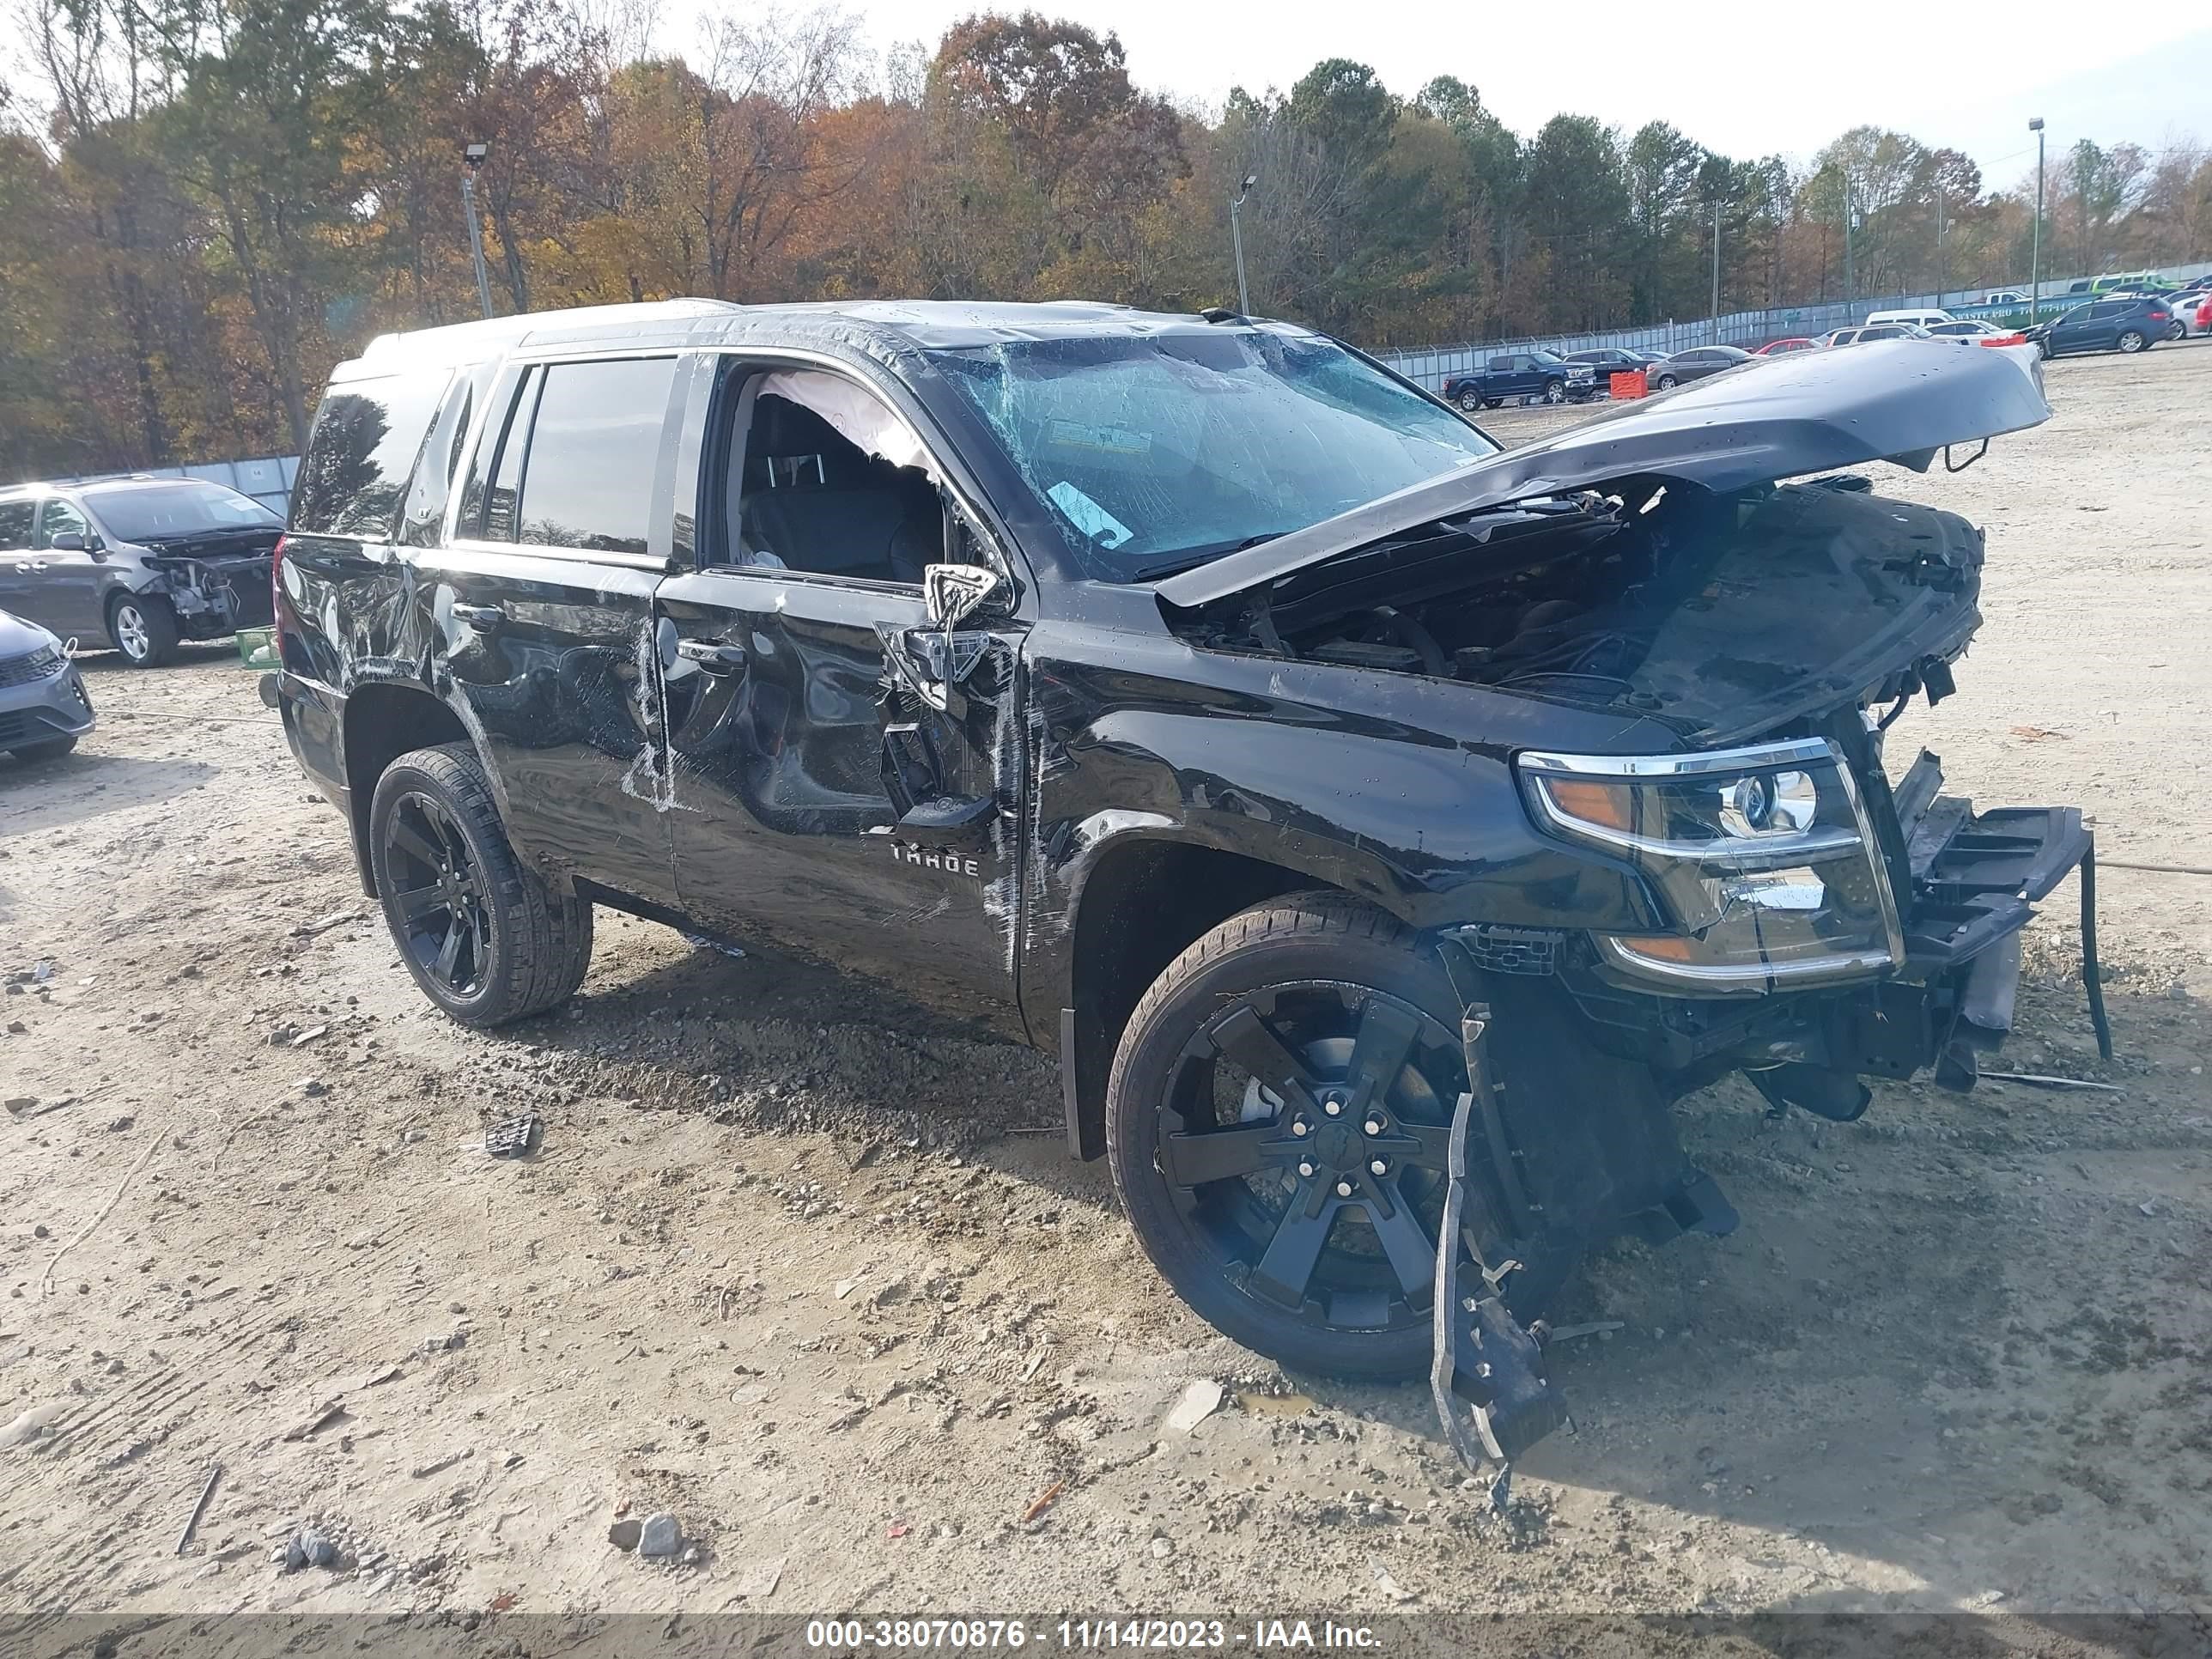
1851,212
1236,238
1941,203
2035,244
474,155
1717,270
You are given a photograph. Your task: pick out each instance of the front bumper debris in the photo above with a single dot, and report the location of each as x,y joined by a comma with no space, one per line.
1485,1364
1975,879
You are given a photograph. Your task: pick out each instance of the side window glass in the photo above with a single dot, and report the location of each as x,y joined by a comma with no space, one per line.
829,480
14,525
588,479
1500,365
502,454
58,516
424,513
361,454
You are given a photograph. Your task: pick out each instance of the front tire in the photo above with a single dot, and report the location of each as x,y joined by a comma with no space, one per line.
1555,391
1259,1204
484,938
143,630
2132,342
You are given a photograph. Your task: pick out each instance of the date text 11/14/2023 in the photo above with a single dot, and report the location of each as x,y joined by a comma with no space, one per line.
1166,1635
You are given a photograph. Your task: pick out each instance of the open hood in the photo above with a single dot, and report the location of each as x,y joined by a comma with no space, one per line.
1805,412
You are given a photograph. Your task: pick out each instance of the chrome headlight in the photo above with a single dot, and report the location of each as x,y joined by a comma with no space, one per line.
1763,858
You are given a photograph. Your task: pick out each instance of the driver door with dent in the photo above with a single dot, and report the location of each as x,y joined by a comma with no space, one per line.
844,767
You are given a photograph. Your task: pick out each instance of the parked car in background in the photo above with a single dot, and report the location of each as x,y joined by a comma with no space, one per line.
2004,296
2190,310
2127,325
1915,319
1544,375
1695,364
138,564
1783,347
1866,335
43,708
1605,362
1972,331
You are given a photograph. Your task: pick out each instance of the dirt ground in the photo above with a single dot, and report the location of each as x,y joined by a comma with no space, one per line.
810,1270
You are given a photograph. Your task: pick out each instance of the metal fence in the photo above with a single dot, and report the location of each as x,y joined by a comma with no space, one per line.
1431,365
268,480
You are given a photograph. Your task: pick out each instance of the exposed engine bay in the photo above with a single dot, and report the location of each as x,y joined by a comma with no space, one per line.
1707,611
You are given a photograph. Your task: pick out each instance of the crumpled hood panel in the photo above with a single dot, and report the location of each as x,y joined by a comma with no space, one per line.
1806,412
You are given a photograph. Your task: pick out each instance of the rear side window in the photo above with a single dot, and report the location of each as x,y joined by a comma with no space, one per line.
15,524
361,453
587,481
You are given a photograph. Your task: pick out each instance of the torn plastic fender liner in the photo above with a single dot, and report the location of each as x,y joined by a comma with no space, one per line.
1806,412
1482,1357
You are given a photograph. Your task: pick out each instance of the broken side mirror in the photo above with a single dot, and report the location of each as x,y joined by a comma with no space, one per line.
950,594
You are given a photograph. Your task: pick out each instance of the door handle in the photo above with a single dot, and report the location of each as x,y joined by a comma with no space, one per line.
480,616
714,658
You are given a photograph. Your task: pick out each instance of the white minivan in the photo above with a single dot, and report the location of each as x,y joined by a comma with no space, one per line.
1917,319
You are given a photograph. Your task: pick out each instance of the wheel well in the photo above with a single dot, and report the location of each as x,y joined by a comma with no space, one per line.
382,723
1138,909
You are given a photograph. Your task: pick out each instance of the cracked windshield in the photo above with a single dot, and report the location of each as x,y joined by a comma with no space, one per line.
1159,454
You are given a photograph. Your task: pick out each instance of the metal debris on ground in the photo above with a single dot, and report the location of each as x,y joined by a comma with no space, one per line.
701,942
193,1521
324,924
515,1137
2042,1080
1599,1328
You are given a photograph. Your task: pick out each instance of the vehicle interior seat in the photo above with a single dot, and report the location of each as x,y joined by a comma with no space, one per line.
815,501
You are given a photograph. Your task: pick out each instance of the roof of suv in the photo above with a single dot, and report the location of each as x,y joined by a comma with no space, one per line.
929,323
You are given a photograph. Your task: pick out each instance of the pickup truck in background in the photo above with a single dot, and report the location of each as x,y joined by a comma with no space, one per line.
1543,374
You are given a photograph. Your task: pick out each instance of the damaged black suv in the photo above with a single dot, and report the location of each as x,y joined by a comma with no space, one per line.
1382,827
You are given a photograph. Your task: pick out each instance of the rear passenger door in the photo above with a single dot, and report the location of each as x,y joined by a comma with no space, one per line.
540,602
845,778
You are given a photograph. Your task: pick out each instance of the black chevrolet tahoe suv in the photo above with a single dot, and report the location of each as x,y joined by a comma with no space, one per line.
1382,827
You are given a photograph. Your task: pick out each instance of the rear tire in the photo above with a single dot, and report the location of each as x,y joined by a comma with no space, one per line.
1256,1238
1469,402
485,938
143,630
52,749
1668,382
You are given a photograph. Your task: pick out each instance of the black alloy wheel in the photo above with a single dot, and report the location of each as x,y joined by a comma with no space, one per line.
1277,1122
441,908
485,937
1302,1138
